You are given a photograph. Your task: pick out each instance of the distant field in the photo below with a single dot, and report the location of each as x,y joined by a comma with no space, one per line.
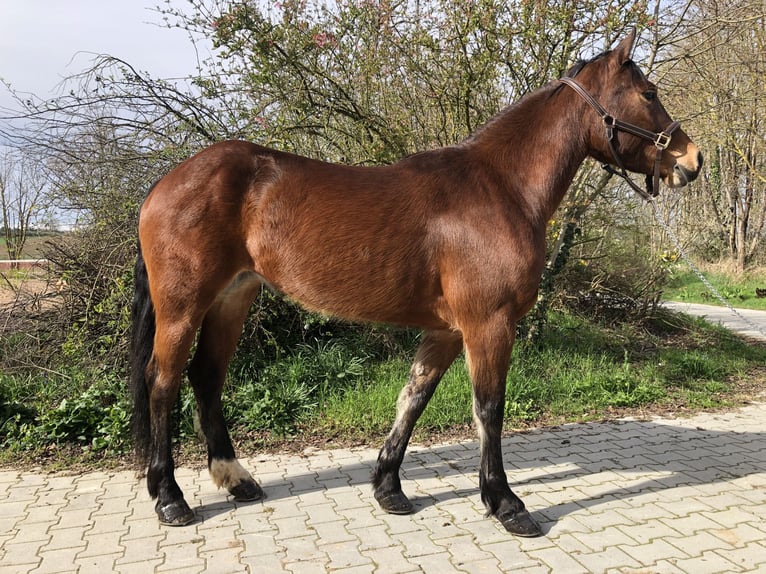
739,290
29,280
33,247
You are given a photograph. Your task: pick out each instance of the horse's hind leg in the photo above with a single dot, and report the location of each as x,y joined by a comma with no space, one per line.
172,342
436,353
220,331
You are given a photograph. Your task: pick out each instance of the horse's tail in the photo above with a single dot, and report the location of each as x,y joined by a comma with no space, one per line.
141,350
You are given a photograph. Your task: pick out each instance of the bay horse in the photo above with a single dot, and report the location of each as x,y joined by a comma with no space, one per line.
450,240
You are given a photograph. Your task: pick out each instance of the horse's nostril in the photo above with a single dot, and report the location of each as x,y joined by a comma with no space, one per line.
688,175
699,160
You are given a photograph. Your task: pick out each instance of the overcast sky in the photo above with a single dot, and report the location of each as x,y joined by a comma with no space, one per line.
44,41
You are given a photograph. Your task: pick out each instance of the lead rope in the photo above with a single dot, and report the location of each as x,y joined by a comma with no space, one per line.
697,272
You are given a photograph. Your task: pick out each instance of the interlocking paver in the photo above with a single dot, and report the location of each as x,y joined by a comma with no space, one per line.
741,535
23,556
750,558
260,544
62,539
651,552
708,563
96,564
690,525
418,543
182,556
345,555
321,513
331,532
141,549
613,555
73,519
647,531
557,560
287,527
633,496
99,543
388,560
38,534
55,561
436,564
141,566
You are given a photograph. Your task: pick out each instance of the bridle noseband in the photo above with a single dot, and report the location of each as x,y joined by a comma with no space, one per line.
661,141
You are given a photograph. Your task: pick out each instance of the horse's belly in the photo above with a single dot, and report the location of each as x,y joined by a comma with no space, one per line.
366,298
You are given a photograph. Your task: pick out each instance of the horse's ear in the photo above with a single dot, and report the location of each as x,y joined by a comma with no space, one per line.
624,49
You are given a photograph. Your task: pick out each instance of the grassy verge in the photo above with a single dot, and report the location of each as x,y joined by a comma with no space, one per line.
580,372
739,290
342,391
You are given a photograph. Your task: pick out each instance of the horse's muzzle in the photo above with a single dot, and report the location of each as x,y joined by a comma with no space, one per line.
684,174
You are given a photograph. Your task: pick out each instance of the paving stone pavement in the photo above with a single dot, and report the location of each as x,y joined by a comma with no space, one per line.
632,496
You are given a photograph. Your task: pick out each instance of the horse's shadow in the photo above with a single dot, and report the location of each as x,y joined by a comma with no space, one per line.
678,455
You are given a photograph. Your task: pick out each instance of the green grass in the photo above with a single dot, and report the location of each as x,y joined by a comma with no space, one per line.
89,410
580,372
739,290
370,407
343,390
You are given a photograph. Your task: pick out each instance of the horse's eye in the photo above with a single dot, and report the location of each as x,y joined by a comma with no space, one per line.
650,95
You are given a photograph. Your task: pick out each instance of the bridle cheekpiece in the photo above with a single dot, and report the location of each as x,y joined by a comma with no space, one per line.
661,141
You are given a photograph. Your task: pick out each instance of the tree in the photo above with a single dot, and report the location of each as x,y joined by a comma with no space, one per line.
354,82
369,82
723,55
22,189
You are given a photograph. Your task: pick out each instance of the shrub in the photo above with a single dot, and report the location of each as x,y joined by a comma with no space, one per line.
97,418
279,395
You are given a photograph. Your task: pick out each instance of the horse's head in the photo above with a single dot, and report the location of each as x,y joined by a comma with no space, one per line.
628,126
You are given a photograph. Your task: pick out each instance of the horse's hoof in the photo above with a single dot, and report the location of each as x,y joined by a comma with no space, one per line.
521,524
394,503
175,514
246,491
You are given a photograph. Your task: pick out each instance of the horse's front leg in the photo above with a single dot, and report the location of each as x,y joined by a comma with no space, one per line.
488,352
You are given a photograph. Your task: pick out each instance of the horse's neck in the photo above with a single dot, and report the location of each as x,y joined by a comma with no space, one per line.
536,145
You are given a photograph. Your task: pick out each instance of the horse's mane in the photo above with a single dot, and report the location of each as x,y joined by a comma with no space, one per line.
580,64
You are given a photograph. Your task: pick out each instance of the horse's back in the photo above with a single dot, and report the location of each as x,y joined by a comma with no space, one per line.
357,242
338,239
364,243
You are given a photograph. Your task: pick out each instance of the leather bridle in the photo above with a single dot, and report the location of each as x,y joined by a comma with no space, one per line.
661,141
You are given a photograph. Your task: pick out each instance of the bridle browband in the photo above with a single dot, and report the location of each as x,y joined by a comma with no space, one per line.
661,141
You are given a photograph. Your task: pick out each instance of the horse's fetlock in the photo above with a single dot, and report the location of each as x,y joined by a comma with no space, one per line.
386,479
228,473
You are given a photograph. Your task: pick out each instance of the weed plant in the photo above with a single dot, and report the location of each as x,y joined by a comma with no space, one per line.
579,370
347,387
91,411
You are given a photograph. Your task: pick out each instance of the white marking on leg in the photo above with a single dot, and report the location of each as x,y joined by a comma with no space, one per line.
228,473
480,420
403,403
479,426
